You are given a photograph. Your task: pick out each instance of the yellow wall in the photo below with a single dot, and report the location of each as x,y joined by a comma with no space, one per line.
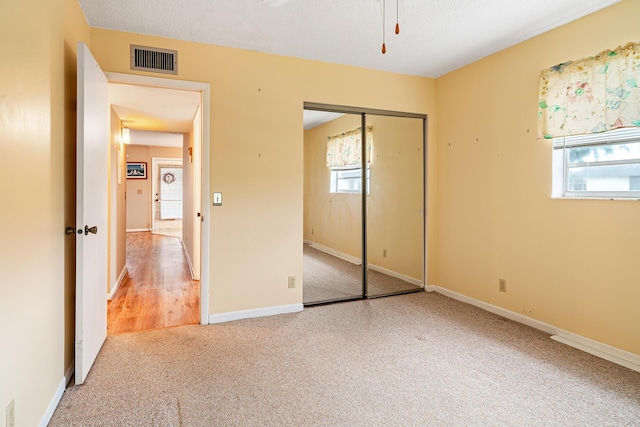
570,263
139,190
394,221
117,202
37,141
256,152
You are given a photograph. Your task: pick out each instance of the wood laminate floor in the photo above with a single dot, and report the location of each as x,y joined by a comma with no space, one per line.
157,291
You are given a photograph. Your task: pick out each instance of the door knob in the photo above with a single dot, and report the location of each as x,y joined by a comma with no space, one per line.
92,230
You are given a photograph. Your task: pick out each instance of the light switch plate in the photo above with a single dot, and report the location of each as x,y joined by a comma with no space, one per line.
217,199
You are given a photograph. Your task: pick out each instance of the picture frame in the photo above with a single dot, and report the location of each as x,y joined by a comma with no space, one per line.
136,170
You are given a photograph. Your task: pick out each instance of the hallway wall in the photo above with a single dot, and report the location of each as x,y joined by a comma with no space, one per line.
117,202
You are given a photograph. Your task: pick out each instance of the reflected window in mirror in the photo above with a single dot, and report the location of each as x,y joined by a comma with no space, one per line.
344,159
348,180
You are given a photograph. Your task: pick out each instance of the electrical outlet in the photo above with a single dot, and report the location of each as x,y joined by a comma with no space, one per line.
384,253
11,414
292,282
502,285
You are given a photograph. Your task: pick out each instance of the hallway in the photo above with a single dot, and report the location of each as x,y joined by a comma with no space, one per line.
157,291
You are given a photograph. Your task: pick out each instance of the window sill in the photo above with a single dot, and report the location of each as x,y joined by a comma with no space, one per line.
626,199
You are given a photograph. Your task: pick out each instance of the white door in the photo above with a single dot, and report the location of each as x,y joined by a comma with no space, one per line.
170,192
91,211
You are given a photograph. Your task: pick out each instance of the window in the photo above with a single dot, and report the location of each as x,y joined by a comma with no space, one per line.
348,180
605,165
344,159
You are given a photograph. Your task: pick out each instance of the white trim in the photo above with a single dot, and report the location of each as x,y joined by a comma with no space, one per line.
186,256
392,273
205,243
55,401
137,230
596,348
205,89
331,251
116,285
536,324
256,312
44,421
604,351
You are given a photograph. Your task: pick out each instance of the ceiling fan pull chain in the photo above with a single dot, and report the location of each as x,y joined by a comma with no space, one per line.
397,17
384,45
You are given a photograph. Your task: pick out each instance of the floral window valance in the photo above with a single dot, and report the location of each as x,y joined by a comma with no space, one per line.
346,149
591,95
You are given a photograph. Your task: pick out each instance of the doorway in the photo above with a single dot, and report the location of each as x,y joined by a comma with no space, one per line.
364,203
167,212
181,214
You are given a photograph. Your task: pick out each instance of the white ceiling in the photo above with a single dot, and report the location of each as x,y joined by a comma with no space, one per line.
436,37
154,109
312,118
156,139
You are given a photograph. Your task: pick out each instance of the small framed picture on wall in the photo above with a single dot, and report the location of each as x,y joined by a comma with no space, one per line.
136,170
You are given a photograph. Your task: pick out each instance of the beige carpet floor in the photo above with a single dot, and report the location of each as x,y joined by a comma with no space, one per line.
419,359
327,277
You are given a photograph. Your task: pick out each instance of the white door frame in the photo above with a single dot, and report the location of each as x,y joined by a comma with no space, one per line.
156,162
205,90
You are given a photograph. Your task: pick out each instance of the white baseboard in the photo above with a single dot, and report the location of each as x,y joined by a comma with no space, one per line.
358,261
392,273
44,421
604,351
335,253
188,258
256,312
135,230
116,285
596,348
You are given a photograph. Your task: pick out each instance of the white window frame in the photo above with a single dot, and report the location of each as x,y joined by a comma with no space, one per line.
561,163
334,178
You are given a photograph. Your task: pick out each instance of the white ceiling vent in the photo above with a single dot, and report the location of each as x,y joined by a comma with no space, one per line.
154,59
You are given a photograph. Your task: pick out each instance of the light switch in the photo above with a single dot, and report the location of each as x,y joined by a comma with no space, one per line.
217,199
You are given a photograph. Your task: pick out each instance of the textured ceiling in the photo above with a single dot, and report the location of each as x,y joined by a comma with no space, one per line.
436,37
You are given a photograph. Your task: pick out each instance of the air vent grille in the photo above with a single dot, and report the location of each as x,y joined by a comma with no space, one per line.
154,59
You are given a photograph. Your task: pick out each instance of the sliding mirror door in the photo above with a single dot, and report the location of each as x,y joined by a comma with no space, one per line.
395,205
332,207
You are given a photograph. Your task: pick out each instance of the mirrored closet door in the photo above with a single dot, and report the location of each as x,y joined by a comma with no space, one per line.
332,207
363,203
395,203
